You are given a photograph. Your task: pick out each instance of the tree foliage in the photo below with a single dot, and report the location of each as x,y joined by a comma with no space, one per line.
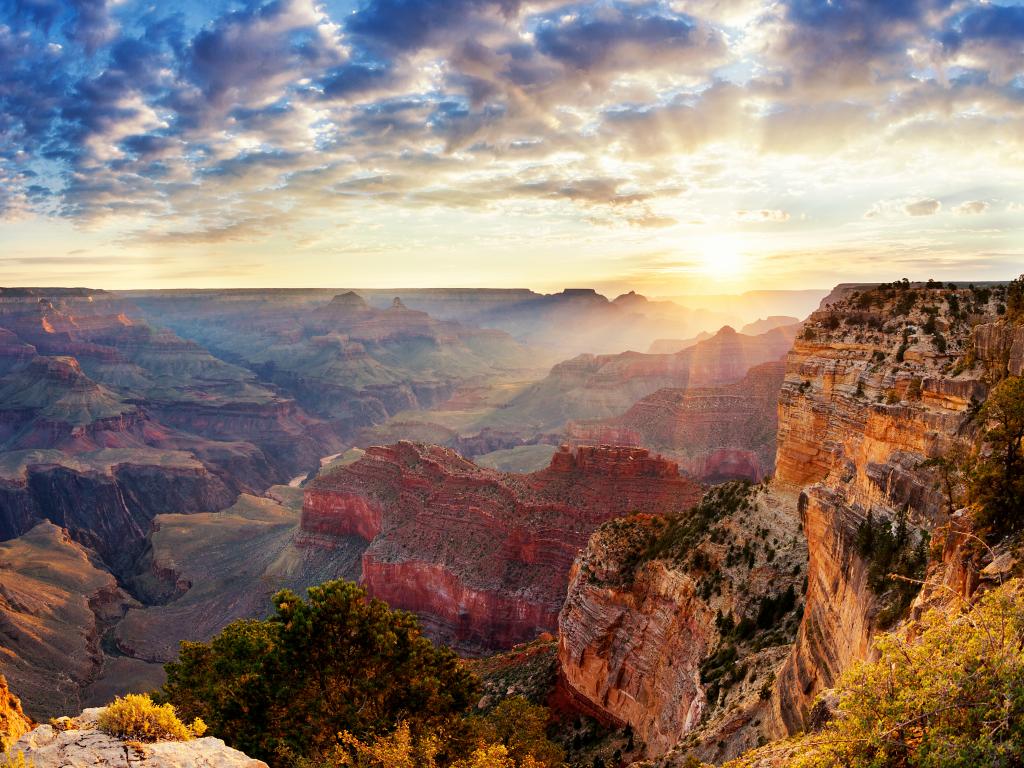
512,735
1015,299
951,696
998,482
336,662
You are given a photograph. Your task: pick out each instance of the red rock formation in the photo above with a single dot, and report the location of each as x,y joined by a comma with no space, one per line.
482,556
637,627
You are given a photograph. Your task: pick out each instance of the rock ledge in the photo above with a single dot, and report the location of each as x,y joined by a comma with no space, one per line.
85,745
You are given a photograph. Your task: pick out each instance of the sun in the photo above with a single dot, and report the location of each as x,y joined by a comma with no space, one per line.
722,257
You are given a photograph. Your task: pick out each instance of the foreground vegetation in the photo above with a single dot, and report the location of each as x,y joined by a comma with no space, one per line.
949,695
340,680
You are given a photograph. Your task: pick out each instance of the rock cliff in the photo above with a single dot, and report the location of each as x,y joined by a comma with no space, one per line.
881,380
677,623
482,556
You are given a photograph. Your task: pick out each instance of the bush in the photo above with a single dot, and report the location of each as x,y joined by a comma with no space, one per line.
137,718
512,735
1015,298
896,561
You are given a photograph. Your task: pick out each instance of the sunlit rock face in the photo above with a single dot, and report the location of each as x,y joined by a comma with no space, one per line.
869,395
872,388
482,556
640,621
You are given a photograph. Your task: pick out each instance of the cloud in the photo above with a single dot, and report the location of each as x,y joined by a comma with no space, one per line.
196,125
763,216
971,208
624,36
925,207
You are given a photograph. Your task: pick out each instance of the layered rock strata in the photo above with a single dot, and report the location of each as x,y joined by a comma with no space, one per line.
482,556
881,380
648,604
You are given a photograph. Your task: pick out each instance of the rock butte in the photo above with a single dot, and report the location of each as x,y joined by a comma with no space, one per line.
482,556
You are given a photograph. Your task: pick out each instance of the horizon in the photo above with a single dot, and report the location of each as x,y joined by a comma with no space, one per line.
671,147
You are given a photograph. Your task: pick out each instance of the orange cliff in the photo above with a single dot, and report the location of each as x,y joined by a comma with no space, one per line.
482,556
869,396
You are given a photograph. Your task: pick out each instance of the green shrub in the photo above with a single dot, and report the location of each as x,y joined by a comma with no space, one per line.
137,718
951,697
283,688
896,561
1015,299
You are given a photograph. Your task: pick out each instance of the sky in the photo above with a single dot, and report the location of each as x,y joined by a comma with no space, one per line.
668,146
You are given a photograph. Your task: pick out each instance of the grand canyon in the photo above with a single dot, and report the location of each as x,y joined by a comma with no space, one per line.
664,544
511,384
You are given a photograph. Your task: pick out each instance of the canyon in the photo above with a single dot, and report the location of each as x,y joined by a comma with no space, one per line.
171,489
605,386
149,430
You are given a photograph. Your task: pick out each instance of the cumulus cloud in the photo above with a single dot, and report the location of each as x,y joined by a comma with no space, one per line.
925,207
199,126
971,208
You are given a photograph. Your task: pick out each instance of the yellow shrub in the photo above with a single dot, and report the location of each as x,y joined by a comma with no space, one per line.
15,761
138,718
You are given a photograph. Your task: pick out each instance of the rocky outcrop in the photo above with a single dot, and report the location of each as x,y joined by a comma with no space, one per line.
1000,347
715,433
55,605
83,743
646,610
482,556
